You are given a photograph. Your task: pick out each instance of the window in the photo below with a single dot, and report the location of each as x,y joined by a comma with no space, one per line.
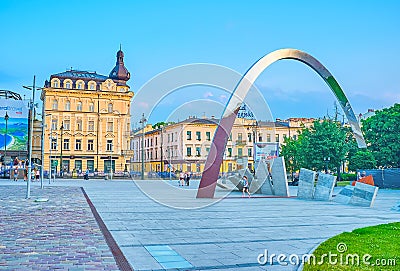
91,107
172,137
55,84
109,145
207,150
230,137
54,105
91,86
249,152
67,105
285,136
54,124
90,165
79,125
53,144
240,152
295,137
79,106
188,151
91,126
198,151
90,145
66,125
78,144
78,165
110,126
240,137
198,136
66,144
249,136
208,136
68,85
79,85
110,108
189,135
260,138
277,138
229,152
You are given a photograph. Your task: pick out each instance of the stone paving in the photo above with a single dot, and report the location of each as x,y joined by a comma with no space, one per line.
60,234
227,235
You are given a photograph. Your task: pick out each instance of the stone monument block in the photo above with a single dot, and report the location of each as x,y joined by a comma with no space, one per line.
364,195
263,180
344,195
236,180
279,177
306,184
324,187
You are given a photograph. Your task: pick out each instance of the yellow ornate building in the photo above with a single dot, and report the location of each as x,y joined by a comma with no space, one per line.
87,120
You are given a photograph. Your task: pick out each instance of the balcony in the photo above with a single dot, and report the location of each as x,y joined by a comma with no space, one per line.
241,142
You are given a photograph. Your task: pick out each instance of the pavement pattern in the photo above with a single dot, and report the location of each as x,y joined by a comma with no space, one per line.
60,234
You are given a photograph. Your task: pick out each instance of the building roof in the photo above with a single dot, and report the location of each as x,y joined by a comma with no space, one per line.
75,74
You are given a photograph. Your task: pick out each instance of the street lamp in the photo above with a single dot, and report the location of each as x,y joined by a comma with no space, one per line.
31,115
161,149
327,160
61,152
6,117
142,121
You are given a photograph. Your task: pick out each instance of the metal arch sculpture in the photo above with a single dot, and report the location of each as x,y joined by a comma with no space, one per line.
214,160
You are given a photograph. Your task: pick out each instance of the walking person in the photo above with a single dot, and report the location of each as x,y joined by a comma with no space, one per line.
16,174
187,179
181,178
37,174
245,183
86,176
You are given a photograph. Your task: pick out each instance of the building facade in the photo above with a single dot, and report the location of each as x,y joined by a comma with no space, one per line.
87,120
184,146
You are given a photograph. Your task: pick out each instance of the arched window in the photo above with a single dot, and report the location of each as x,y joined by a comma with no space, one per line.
55,83
110,108
79,106
67,105
79,125
55,105
92,85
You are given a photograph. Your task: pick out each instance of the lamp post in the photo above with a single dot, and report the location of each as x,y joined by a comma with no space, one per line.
161,149
6,117
142,121
61,152
31,115
326,160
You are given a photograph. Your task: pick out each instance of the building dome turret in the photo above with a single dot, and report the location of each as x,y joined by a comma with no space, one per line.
120,72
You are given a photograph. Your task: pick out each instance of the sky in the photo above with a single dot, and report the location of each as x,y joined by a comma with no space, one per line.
356,40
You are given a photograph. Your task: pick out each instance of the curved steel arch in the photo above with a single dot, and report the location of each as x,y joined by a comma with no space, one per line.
214,160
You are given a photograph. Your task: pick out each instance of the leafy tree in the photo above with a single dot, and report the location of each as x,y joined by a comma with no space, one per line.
291,152
362,159
324,139
382,134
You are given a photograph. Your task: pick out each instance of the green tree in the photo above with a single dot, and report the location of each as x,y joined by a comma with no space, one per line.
362,159
291,151
382,134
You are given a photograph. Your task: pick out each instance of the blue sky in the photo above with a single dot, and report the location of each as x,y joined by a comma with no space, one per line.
356,40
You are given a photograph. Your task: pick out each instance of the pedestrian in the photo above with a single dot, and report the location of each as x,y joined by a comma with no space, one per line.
181,178
86,176
245,183
37,174
187,179
16,173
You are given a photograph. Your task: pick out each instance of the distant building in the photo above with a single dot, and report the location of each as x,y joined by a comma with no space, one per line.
87,120
185,145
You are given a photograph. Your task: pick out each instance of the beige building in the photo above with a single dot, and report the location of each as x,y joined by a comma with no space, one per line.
87,120
185,145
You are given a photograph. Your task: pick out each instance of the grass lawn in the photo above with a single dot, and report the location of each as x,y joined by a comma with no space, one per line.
381,242
343,183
